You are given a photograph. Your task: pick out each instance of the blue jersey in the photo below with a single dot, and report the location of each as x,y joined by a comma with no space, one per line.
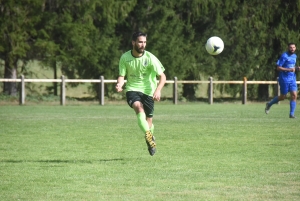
287,60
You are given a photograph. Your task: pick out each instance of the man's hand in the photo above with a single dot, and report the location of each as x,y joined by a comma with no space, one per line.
162,81
120,83
119,87
156,95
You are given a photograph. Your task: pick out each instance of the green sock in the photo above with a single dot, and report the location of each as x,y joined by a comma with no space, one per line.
142,122
152,129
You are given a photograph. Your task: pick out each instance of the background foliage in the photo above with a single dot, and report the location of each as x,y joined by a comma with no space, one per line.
85,39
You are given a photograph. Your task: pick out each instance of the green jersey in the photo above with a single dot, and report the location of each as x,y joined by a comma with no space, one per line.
140,72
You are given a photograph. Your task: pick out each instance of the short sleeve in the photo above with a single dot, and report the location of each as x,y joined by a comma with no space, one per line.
157,66
281,60
122,67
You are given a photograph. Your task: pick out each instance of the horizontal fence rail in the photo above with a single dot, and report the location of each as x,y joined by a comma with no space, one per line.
102,82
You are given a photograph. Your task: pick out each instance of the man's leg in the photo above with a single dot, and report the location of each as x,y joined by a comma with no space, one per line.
144,125
148,104
284,88
134,100
293,104
292,108
275,100
152,128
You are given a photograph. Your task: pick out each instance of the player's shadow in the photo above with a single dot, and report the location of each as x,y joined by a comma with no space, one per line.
62,161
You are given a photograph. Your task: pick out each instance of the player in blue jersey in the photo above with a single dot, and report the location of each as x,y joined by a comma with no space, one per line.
286,65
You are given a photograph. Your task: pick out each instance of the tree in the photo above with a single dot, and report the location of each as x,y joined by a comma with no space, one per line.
81,36
17,19
252,33
169,36
85,39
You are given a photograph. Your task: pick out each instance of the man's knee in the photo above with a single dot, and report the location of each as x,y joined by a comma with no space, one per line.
293,95
281,97
138,107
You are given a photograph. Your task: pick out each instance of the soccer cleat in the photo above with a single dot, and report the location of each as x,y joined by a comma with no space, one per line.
150,140
267,108
292,116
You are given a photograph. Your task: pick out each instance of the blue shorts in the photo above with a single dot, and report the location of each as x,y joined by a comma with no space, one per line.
286,87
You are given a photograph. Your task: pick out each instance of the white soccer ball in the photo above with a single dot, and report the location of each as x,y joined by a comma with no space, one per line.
214,45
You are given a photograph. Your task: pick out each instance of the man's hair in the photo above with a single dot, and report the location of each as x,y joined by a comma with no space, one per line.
137,34
291,44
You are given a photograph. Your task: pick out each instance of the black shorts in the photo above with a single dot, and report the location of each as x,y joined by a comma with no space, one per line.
147,101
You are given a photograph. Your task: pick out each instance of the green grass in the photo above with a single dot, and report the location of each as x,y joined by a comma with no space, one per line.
204,152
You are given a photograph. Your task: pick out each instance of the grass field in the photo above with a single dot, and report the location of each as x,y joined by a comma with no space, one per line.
204,152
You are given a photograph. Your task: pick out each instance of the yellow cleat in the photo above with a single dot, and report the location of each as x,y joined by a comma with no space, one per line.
150,140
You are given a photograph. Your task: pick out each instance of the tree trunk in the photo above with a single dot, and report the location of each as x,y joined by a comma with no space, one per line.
55,77
10,72
263,92
189,91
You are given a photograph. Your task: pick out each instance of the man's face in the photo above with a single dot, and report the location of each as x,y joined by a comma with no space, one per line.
292,48
140,44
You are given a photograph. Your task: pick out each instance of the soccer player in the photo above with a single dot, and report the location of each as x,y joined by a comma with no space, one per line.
141,69
286,65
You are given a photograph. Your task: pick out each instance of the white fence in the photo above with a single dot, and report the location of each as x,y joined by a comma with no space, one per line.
102,82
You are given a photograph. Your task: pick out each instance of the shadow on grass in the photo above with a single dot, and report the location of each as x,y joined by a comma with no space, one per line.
61,161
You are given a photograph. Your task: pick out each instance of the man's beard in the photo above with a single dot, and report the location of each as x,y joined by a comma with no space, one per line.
291,52
139,50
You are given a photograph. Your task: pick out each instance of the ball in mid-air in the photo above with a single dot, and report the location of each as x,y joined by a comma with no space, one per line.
214,45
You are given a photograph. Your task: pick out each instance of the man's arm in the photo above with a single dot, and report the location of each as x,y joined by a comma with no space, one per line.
161,83
120,83
280,68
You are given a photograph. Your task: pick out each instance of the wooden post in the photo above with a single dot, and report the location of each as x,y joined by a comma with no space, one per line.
63,91
211,91
175,93
244,101
278,89
101,92
22,91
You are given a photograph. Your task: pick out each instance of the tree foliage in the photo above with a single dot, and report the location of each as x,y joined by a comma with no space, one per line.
86,38
17,20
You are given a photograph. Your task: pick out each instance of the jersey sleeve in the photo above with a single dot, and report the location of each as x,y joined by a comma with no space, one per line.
122,67
157,66
281,60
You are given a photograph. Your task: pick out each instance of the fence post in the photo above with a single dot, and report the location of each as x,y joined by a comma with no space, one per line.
244,101
22,91
175,93
101,91
62,91
211,91
278,89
